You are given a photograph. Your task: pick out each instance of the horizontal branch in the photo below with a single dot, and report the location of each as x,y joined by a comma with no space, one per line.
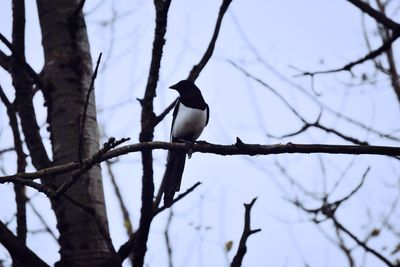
239,148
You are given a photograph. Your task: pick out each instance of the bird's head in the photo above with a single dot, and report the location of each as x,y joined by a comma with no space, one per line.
184,85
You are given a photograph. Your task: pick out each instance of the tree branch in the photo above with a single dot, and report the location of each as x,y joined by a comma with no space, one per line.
392,72
19,189
87,165
83,120
328,210
361,243
371,55
184,194
18,250
242,248
5,61
23,181
22,61
125,249
25,107
163,114
378,16
239,148
42,220
147,133
195,72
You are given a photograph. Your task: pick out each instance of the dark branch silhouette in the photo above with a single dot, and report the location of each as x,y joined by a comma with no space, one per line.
83,119
328,210
247,232
378,16
4,61
371,55
195,72
239,148
22,61
147,133
125,249
19,189
18,250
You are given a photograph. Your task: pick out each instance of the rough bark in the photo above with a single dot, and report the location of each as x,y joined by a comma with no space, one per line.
67,77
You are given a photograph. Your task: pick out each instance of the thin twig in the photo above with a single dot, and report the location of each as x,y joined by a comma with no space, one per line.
127,247
328,209
167,238
83,120
19,189
163,114
361,243
87,165
318,125
42,220
344,248
348,67
124,209
23,181
5,150
195,72
184,194
26,66
323,106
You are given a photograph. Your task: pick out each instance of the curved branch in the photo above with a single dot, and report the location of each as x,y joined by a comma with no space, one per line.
195,72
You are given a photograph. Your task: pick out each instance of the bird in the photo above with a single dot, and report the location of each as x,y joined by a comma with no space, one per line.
190,117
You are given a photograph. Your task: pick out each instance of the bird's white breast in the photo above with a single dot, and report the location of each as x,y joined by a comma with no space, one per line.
189,121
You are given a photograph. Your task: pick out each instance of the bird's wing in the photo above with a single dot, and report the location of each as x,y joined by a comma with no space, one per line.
175,112
208,114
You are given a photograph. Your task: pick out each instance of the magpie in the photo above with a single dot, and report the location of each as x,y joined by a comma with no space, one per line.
190,116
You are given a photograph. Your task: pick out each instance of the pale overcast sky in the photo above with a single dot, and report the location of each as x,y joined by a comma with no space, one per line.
287,35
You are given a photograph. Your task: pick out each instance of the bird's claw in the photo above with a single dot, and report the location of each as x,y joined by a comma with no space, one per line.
190,144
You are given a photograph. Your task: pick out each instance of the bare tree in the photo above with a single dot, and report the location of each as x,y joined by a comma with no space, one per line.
68,166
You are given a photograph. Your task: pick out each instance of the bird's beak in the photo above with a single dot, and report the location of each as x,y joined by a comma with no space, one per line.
175,87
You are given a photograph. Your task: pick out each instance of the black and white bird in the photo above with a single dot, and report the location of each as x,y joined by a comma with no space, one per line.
189,118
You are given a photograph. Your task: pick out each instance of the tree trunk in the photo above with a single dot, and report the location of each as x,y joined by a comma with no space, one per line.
67,75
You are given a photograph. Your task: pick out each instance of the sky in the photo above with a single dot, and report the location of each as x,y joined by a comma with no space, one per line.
274,41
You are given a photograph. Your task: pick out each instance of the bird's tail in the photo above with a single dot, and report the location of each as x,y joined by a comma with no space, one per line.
173,175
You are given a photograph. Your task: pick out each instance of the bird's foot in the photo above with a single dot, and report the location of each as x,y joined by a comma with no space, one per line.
188,143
